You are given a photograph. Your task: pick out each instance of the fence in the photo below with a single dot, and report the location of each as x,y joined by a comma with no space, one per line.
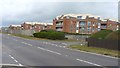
103,43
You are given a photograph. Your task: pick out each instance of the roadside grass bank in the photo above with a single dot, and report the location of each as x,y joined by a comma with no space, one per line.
24,36
34,38
97,50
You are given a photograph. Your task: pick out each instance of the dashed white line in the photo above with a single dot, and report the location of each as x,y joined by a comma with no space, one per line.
15,60
15,40
56,45
64,43
66,55
49,50
29,44
60,46
88,62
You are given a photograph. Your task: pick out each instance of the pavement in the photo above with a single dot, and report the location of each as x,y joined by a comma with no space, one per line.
26,52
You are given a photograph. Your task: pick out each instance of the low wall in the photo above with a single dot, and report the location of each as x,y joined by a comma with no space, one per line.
22,32
77,37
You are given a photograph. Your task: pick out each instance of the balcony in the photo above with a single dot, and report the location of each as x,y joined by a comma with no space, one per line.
103,27
59,25
59,29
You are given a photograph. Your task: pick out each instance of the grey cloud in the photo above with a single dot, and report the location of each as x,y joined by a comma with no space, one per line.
46,11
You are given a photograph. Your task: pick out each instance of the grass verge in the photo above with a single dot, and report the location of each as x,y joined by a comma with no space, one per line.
25,36
34,38
96,50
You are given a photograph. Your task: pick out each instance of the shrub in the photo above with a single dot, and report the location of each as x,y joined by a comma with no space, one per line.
50,34
101,34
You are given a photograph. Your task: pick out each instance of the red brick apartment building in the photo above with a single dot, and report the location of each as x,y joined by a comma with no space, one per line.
77,23
37,26
82,23
109,24
15,27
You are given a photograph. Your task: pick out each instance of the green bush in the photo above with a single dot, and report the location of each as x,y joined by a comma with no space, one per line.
50,34
101,34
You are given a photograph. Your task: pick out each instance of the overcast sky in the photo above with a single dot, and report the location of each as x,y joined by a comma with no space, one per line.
18,11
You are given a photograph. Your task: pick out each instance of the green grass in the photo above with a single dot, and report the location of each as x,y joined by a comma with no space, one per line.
25,36
96,50
34,38
114,35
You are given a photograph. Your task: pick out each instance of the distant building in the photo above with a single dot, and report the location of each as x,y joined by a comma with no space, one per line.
109,24
15,27
83,23
4,29
77,23
37,26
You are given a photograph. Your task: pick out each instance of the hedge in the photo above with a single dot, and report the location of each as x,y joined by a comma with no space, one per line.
50,34
101,34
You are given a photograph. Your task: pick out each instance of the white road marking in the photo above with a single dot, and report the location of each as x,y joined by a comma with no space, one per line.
56,45
88,62
15,39
63,46
60,46
15,60
49,50
66,55
27,43
23,42
9,65
64,43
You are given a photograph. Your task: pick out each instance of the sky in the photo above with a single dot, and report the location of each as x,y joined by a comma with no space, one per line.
19,11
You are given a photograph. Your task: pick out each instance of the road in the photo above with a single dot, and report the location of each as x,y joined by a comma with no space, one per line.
27,52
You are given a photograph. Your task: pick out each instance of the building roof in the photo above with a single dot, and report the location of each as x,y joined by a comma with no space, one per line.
43,23
83,16
15,25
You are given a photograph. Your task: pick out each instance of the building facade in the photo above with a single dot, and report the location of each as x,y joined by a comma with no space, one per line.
83,23
77,23
109,25
65,24
15,27
37,26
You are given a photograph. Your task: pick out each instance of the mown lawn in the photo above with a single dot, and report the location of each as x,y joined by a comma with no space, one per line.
96,50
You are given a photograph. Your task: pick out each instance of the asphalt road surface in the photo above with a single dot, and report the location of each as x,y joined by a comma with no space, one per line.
26,52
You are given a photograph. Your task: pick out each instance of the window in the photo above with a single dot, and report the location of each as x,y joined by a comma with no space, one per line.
87,16
99,24
98,18
89,23
82,23
79,17
92,29
89,28
77,28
